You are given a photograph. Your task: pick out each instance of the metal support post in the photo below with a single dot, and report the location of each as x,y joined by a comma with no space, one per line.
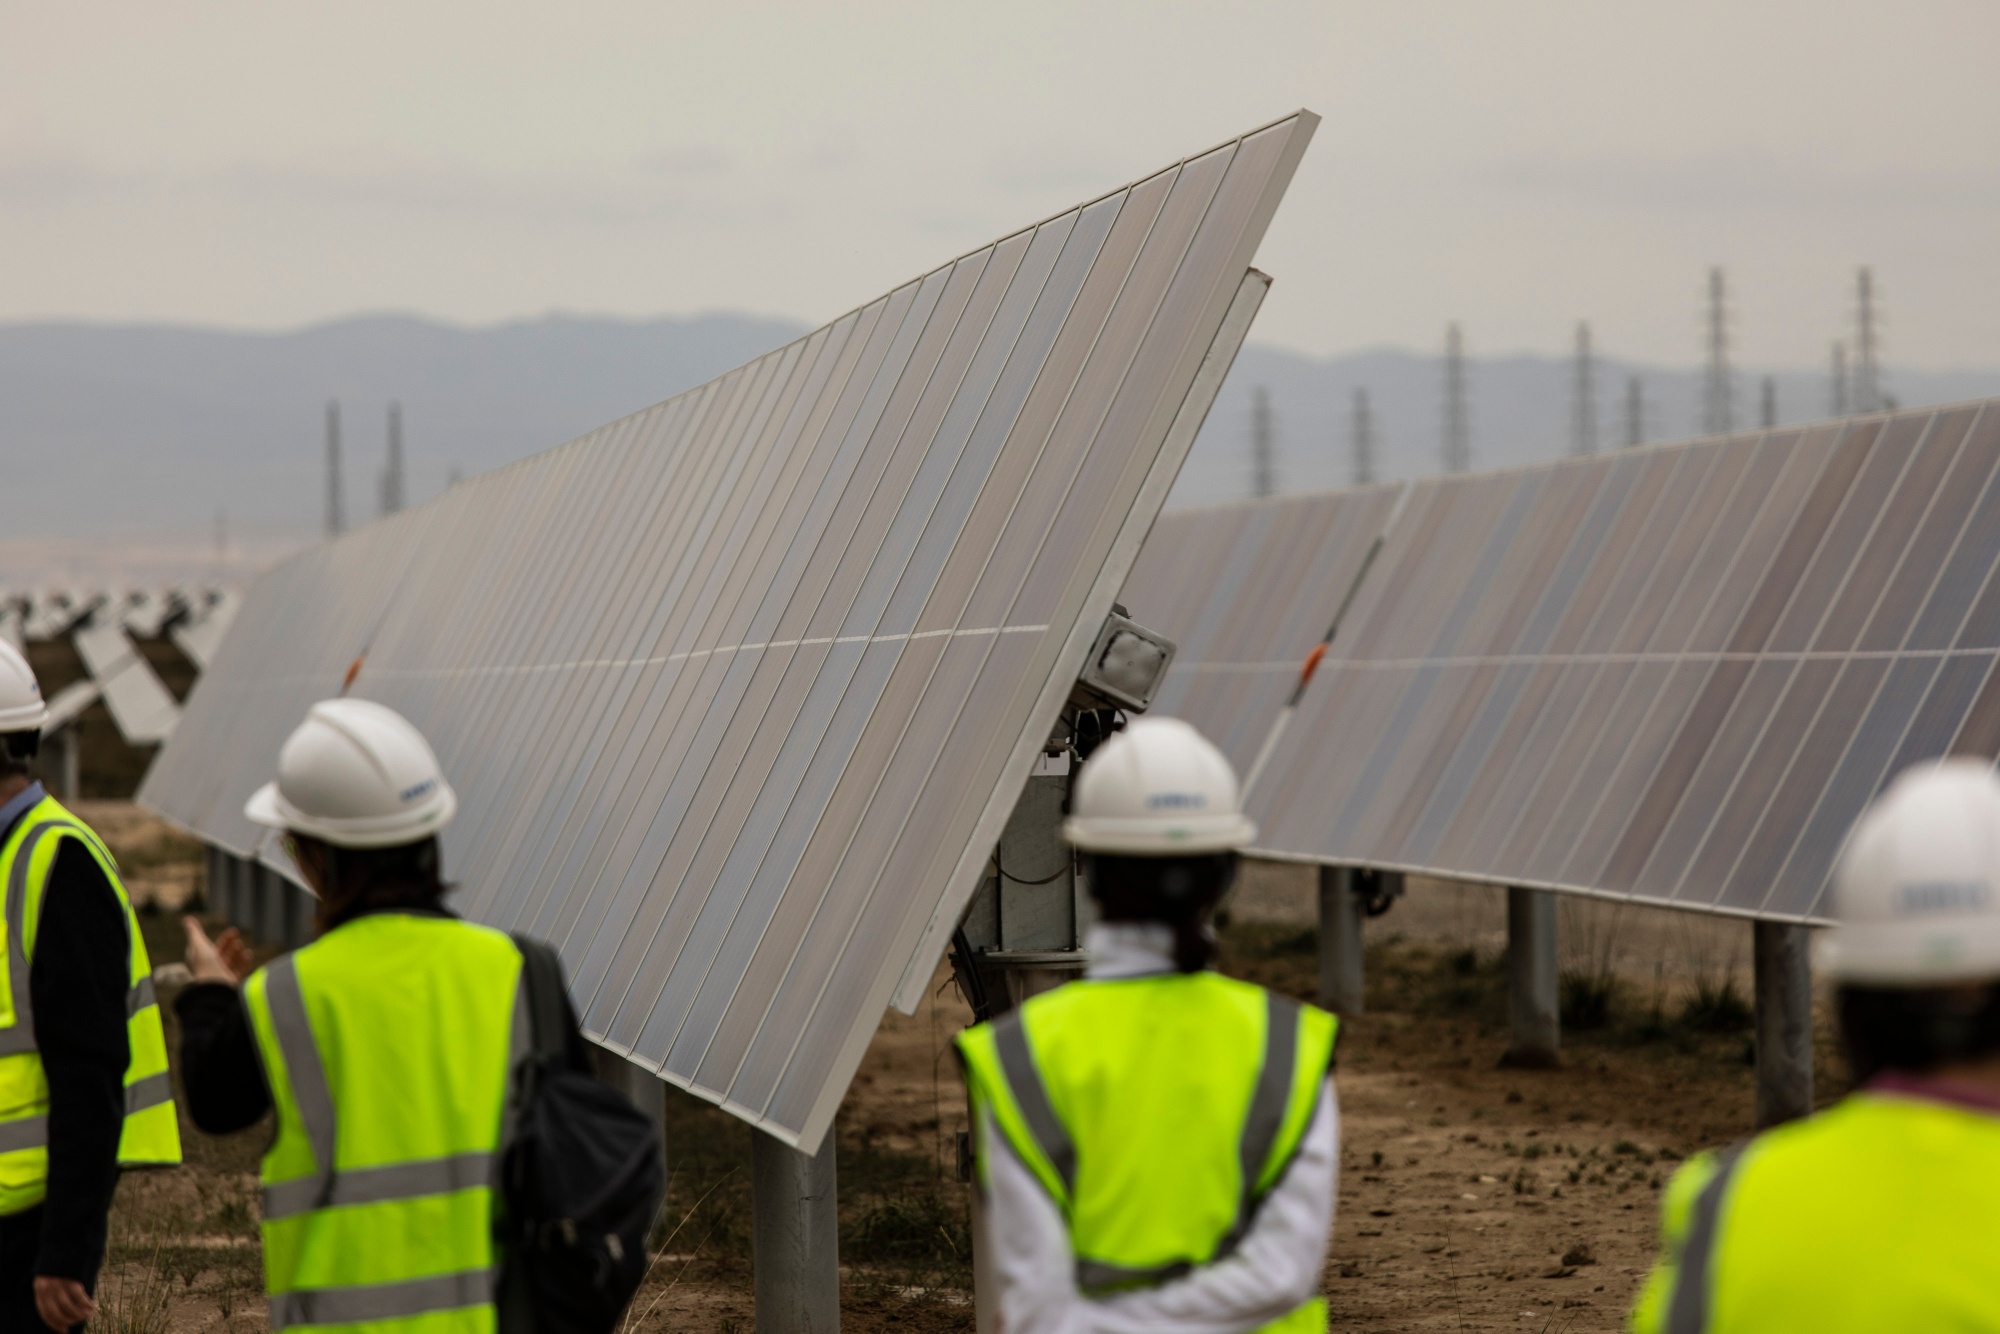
222,888
796,1237
298,913
62,762
1784,1021
1341,913
242,896
213,881
270,899
985,1307
1534,1002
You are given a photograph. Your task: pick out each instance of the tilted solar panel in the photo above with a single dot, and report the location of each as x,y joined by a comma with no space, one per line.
140,703
1675,673
738,692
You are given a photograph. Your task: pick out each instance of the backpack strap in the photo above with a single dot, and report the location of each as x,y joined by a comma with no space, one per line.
548,1005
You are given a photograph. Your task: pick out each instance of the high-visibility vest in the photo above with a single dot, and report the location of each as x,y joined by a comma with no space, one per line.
1882,1212
1157,1112
151,1134
388,1045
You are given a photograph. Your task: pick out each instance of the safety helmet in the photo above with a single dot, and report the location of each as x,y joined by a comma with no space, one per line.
1916,891
21,707
356,774
1157,789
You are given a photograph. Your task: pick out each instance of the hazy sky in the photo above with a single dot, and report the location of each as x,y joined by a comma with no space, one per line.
1512,164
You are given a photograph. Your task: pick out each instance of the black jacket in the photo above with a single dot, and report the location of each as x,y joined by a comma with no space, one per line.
78,984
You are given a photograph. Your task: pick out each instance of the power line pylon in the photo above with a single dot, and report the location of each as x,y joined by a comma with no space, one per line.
1456,446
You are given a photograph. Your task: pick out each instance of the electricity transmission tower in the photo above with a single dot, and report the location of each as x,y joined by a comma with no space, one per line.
1718,388
1839,396
392,469
1768,416
336,515
1361,441
1263,445
1635,412
1867,370
1456,446
1583,396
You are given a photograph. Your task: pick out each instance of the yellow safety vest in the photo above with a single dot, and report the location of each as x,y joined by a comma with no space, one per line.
1882,1212
151,1134
388,1045
1157,1112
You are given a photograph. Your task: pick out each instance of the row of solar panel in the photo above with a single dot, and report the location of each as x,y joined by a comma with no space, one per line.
738,692
1675,673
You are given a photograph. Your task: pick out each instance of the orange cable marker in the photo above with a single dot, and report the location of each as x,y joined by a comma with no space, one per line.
1312,664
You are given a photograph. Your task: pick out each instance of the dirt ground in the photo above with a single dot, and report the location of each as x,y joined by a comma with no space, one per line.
1472,1197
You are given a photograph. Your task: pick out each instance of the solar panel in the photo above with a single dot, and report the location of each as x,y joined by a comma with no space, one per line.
144,612
68,704
1674,673
738,692
141,705
201,633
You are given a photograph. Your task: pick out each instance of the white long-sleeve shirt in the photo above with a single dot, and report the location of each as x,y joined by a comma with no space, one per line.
1032,1269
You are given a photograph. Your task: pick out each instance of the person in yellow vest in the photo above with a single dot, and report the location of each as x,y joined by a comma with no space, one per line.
1156,1144
1882,1211
84,1088
386,1046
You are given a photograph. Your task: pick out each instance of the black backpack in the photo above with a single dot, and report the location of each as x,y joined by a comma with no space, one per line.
582,1177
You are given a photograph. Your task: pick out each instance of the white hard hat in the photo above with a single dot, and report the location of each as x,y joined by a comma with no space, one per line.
1158,789
21,707
356,774
1916,892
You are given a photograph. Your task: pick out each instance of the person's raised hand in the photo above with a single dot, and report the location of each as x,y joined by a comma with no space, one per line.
226,959
62,1303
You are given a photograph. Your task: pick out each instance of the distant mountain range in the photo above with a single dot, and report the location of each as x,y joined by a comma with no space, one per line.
124,430
148,428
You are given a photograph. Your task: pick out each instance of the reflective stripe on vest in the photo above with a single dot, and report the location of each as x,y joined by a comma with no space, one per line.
1275,1113
1268,1104
148,1136
1694,1279
382,1301
315,1201
1877,1213
367,1185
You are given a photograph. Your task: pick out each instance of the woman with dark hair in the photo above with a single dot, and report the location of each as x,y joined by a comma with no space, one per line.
1883,1211
386,1046
1157,1143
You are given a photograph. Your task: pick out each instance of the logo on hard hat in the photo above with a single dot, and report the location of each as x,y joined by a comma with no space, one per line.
1172,801
424,788
1942,896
